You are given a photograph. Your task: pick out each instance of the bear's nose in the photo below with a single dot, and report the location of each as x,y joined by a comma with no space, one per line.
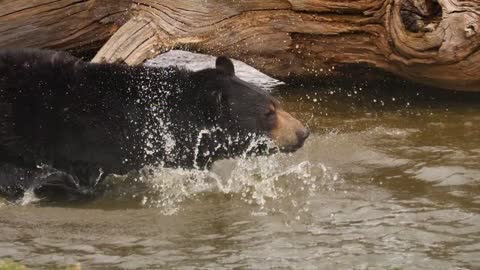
303,134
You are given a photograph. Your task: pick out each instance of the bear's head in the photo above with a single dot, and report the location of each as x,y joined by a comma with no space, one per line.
242,115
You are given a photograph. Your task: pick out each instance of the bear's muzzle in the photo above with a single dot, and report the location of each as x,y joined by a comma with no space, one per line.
288,133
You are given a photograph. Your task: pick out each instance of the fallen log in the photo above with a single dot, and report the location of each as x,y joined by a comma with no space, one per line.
436,42
60,24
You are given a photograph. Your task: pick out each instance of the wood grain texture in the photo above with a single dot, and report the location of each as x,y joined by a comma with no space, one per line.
433,42
60,24
436,42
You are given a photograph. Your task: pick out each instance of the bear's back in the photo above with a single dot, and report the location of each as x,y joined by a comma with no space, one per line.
55,108
11,57
29,69
52,112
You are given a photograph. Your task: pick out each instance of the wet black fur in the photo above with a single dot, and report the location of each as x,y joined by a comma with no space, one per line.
66,123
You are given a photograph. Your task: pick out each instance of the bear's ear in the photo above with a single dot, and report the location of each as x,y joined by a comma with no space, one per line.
224,64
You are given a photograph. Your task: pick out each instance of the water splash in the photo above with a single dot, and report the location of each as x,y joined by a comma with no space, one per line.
272,184
29,197
201,134
43,173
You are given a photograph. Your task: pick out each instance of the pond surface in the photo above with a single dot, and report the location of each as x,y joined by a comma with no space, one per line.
389,179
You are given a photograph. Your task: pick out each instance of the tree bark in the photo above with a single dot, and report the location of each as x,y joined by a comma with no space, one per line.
436,42
60,24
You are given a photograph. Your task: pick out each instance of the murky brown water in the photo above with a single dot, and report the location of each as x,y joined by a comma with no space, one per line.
386,181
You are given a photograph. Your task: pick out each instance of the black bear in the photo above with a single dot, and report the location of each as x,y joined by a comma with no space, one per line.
66,123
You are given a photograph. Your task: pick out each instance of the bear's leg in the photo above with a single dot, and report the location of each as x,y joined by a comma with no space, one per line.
61,186
77,182
47,183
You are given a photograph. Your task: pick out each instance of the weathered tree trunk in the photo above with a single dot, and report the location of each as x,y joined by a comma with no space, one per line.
431,41
60,24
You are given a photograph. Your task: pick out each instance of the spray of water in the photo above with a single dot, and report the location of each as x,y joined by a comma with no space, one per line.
281,183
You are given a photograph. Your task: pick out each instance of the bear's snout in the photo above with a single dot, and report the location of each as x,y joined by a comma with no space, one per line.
288,133
303,135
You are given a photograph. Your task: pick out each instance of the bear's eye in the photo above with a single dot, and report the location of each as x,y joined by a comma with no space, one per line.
270,113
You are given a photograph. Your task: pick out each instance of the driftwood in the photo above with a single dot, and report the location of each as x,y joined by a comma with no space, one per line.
60,24
436,42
